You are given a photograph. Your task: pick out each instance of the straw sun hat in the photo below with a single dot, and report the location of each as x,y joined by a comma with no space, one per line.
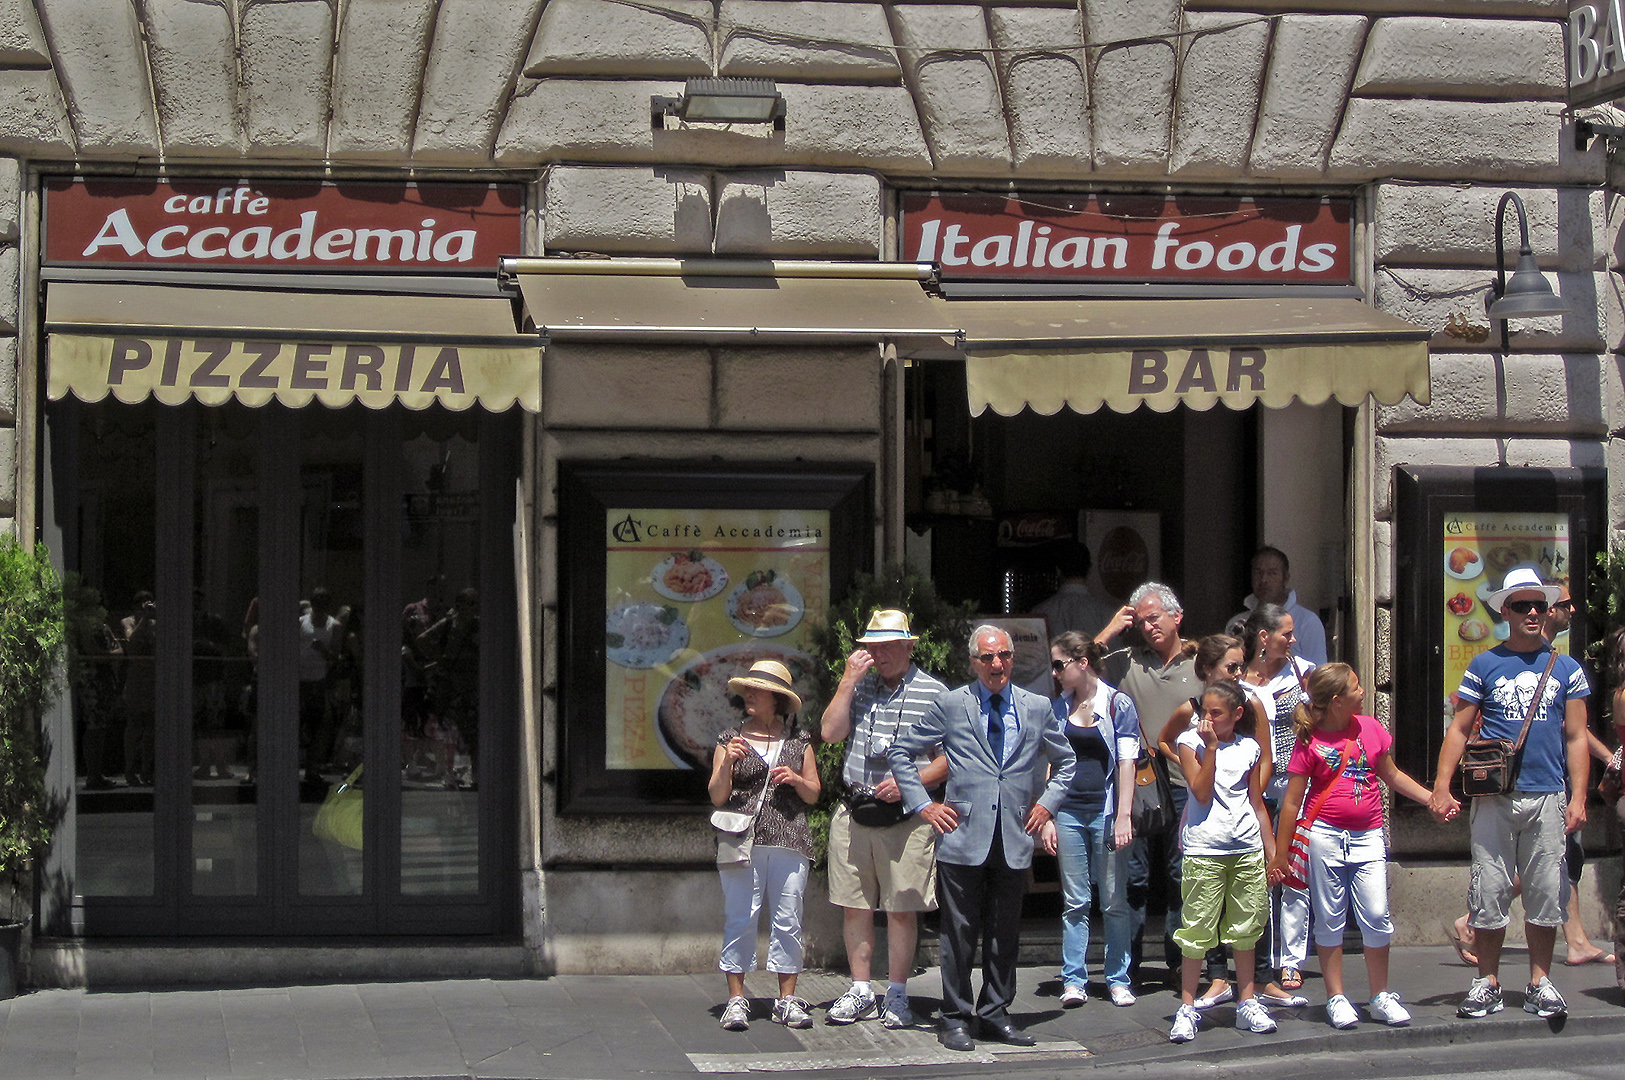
886,624
768,675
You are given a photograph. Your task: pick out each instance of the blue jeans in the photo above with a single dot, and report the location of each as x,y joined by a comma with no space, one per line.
1086,859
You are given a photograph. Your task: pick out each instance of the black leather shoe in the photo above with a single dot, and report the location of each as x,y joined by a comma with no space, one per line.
956,1037
1007,1033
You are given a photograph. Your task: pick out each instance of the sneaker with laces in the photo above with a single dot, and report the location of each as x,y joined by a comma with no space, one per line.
1186,1022
1483,998
1542,999
852,1006
1121,996
895,1013
1252,1016
1340,1012
792,1012
736,1014
1073,996
1386,1007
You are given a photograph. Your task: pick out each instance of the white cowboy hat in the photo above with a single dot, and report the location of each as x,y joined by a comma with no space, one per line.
768,675
886,624
1521,579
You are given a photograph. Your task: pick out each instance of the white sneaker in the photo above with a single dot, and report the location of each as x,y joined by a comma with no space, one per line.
1386,1007
854,1005
1121,996
1542,999
1253,1017
1186,1023
792,1012
736,1014
894,1011
1073,996
1340,1012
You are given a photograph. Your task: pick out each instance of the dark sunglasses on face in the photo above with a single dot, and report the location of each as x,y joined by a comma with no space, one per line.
989,657
1564,605
1524,607
1058,666
1234,669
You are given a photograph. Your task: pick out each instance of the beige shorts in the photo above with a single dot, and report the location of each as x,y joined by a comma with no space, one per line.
890,869
1518,834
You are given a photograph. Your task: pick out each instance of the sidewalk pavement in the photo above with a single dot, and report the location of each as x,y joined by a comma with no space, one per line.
613,1027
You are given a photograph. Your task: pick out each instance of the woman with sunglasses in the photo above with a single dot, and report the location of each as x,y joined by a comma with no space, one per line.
1275,678
1091,830
1219,657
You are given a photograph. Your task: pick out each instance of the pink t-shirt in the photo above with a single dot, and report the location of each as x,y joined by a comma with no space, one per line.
1355,803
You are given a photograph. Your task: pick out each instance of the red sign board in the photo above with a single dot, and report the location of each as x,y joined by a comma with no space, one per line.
1131,238
283,225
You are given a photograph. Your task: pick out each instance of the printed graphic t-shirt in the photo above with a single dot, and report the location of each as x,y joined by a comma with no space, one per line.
1356,802
1502,684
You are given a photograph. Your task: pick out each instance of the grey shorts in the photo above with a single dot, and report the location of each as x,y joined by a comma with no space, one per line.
1517,834
889,869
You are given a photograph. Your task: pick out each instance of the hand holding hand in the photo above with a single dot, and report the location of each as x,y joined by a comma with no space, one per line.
1443,805
943,818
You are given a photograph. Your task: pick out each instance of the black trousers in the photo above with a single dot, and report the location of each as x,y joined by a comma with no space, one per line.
979,904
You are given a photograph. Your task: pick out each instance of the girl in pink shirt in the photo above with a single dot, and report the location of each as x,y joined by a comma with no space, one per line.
1348,860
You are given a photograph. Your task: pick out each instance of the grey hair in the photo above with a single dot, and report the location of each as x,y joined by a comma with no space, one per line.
1156,590
989,628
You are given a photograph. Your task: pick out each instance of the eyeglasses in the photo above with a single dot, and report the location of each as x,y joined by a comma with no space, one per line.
1524,607
989,657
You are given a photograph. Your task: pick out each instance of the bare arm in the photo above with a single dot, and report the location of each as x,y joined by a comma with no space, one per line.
1286,825
805,782
1255,795
1123,826
837,720
1402,782
1574,733
1173,729
722,770
1200,774
1455,742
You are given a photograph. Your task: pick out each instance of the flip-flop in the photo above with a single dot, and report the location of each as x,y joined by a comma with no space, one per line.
1291,979
1463,948
1600,958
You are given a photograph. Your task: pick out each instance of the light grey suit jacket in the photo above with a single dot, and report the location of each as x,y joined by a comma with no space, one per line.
983,793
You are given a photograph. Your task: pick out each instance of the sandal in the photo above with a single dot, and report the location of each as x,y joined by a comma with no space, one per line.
1460,936
1291,979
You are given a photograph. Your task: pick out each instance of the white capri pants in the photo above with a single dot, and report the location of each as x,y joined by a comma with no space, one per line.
775,878
1349,865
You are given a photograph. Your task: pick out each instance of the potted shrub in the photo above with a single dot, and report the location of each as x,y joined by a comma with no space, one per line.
31,640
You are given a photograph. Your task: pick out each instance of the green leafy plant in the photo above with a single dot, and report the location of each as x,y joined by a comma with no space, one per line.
32,633
1605,605
942,629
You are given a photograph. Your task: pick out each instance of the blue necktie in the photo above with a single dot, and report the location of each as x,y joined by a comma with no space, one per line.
995,726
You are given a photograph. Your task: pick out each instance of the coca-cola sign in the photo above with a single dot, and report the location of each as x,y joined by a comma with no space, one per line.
220,224
1131,238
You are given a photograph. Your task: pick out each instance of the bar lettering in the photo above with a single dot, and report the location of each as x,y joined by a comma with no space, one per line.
1248,362
1148,371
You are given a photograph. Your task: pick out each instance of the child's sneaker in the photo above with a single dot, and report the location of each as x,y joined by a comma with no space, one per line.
1186,1021
1542,999
1483,998
736,1014
1252,1016
1386,1007
791,1012
1340,1012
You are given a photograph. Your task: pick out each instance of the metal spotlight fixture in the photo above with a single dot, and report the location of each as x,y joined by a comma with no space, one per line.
1527,294
722,101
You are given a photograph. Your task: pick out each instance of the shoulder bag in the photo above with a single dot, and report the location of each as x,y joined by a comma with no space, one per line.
736,829
1488,766
1297,859
1152,808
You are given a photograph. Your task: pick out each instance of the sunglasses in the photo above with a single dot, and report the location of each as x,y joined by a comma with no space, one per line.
1058,666
1234,669
1565,605
1524,607
989,657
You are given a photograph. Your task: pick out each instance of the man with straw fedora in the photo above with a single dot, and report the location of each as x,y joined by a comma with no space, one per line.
881,858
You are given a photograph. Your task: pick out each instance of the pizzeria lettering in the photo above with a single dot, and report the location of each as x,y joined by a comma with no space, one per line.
275,366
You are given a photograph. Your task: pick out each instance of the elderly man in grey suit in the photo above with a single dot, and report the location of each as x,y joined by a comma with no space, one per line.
1008,767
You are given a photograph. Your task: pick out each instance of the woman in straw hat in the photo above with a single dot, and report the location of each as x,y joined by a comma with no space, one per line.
765,767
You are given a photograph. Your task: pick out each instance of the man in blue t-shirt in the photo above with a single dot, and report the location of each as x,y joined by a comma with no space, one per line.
1520,833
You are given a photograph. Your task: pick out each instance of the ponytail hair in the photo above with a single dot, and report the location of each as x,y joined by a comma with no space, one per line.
1324,683
1232,696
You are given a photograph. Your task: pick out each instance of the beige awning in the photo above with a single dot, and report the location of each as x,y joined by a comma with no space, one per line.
719,300
1124,354
215,344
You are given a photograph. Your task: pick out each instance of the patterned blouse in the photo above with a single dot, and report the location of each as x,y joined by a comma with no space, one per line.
783,821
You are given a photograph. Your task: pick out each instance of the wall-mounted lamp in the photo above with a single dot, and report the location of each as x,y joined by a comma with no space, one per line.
722,101
1526,294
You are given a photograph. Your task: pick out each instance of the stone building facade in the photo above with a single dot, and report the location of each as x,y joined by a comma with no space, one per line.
1423,112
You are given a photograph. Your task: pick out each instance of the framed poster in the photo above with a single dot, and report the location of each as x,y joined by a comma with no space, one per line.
1126,548
1456,534
673,582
